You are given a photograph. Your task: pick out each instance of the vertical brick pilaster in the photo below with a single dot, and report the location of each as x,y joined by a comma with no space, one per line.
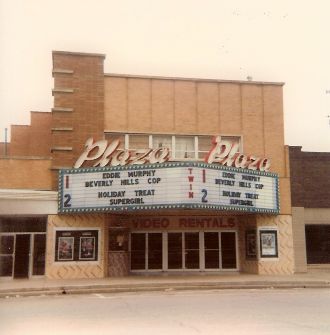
78,111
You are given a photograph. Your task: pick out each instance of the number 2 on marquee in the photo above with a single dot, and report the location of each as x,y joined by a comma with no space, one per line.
67,201
204,191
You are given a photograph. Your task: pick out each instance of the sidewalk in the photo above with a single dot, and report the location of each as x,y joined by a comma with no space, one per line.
144,283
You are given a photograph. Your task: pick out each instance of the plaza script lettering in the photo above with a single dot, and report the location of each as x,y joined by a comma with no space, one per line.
109,154
226,153
222,152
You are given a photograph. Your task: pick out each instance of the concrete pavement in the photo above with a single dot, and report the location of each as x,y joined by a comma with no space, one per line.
140,283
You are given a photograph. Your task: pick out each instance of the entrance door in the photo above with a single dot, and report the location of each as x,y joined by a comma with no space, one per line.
155,251
39,247
138,251
22,256
211,247
174,251
183,251
228,250
191,242
146,251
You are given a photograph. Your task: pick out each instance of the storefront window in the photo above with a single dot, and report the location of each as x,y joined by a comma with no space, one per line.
6,266
7,244
318,244
6,255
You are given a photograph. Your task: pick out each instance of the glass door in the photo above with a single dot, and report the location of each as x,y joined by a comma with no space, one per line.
228,250
22,256
146,251
211,250
138,251
39,248
191,242
174,251
155,251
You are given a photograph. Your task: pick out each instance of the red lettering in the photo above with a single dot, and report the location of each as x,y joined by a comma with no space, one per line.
182,222
165,223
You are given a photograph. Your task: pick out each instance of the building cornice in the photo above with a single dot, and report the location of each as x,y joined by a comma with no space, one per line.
79,54
242,82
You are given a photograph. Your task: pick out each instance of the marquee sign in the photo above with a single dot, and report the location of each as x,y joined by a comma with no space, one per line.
171,185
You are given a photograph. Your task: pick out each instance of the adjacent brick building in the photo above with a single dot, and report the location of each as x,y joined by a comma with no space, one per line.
310,190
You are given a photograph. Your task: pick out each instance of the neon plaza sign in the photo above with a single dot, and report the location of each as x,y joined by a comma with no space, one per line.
222,152
147,179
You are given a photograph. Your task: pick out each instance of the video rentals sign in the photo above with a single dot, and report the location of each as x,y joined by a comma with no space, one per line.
170,185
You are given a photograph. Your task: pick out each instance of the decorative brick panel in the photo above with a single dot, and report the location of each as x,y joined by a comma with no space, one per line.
118,264
285,262
77,270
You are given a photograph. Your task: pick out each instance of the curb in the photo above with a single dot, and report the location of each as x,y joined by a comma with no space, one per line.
93,289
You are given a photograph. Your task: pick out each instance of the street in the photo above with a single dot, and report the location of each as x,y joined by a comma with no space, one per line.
295,311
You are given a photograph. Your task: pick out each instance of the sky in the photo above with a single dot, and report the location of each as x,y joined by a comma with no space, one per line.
275,40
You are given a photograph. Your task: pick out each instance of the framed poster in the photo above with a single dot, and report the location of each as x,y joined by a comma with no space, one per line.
251,244
65,248
76,245
268,243
87,248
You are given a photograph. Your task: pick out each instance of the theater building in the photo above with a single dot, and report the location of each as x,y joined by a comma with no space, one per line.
138,174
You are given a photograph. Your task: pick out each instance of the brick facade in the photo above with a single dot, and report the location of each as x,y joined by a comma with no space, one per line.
78,111
33,140
310,182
